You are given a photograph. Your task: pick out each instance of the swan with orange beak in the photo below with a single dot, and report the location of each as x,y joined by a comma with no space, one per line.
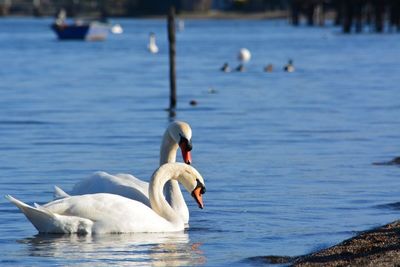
177,135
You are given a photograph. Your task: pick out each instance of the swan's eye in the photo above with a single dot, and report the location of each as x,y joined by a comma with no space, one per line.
203,190
201,186
184,142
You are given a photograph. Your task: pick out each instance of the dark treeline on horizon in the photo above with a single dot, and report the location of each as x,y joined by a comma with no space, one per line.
352,15
126,8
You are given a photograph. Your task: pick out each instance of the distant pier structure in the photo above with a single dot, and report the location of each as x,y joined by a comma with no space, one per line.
351,15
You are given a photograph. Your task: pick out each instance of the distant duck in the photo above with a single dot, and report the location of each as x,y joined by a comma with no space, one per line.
269,68
117,29
225,67
240,68
152,46
289,66
244,55
212,90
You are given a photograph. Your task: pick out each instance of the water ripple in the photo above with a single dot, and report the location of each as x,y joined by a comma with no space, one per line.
25,122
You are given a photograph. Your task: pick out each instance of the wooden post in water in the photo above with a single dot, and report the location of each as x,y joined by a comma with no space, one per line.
339,12
295,12
172,54
396,14
347,16
392,14
379,7
320,13
358,11
310,8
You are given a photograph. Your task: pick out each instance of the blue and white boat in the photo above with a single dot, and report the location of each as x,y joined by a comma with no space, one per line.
79,29
89,31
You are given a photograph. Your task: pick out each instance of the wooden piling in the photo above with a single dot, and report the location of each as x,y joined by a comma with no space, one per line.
320,13
295,14
358,15
395,14
351,14
347,16
379,6
338,7
172,54
310,8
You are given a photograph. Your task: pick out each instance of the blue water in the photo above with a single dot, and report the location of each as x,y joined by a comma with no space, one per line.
287,158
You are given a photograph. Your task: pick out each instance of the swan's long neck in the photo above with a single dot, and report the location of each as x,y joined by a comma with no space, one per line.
152,40
168,149
157,200
172,191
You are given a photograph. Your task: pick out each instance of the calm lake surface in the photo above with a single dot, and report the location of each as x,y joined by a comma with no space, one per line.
287,158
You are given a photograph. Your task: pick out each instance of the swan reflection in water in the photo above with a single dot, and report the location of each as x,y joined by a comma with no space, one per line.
139,249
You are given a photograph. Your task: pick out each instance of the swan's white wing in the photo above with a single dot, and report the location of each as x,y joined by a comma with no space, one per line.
132,181
112,213
121,184
96,213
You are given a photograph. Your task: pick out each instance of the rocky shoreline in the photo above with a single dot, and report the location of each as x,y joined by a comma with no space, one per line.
377,247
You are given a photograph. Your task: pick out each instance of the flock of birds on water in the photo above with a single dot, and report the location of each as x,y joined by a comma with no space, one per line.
122,203
244,56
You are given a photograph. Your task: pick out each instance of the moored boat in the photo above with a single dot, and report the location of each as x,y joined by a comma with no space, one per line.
91,31
79,29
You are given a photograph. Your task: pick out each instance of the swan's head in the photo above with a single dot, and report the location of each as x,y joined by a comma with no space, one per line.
191,179
198,192
181,133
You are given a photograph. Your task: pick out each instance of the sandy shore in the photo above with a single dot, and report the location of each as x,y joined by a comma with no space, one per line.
376,247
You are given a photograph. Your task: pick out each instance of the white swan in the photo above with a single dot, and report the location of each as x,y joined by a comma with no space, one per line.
244,55
117,29
178,134
108,213
152,46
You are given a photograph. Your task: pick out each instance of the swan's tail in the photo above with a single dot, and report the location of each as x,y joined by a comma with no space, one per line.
39,217
59,193
47,222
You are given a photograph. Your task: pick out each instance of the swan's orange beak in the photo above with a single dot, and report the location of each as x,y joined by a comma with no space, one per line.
196,194
187,157
186,147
